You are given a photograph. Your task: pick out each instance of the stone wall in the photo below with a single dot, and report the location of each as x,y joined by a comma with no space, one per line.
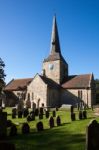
70,96
38,91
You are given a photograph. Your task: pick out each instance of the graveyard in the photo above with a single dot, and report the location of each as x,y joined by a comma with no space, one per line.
54,130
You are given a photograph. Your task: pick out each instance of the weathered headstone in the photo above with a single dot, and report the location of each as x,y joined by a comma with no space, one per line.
36,112
39,126
14,113
32,115
40,116
47,114
51,122
25,112
29,118
92,136
84,114
54,113
20,114
72,109
9,123
13,130
58,121
25,128
41,110
80,115
72,113
73,117
3,125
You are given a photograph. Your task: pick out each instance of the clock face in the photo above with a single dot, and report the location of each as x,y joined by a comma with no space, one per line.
51,66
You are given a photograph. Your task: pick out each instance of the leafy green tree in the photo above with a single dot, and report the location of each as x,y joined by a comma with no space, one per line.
2,75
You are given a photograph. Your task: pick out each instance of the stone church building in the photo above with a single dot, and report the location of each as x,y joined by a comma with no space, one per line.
54,87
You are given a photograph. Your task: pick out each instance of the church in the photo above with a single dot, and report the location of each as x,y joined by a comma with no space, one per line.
54,87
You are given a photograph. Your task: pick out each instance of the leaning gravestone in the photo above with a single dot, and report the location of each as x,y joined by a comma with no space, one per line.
92,136
3,125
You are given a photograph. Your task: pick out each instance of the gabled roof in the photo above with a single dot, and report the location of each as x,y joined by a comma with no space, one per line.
78,81
18,84
49,82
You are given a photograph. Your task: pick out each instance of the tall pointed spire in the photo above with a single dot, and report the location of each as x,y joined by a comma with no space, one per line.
55,45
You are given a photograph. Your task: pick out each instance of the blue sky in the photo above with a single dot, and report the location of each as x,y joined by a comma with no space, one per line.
25,32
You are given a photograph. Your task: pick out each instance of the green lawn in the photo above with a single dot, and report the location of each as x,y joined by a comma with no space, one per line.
69,136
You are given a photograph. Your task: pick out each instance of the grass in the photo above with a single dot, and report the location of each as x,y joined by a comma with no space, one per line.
68,136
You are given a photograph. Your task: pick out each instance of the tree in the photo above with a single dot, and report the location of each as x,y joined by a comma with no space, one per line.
2,75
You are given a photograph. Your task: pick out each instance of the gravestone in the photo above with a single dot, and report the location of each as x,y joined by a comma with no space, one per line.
14,113
25,112
58,121
54,113
41,110
72,109
51,122
72,113
92,136
47,114
32,115
13,130
73,117
80,115
29,118
84,114
9,123
40,116
39,126
36,112
3,125
25,128
20,114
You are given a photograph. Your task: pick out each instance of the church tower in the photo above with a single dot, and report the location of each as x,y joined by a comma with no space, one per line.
54,66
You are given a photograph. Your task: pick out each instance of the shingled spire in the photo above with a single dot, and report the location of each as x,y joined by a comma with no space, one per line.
55,51
55,45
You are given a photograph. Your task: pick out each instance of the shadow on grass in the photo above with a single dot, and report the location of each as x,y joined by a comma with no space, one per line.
50,139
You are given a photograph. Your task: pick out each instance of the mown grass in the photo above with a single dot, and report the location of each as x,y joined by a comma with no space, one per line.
69,136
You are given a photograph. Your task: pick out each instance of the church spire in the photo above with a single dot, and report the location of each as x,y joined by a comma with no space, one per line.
55,45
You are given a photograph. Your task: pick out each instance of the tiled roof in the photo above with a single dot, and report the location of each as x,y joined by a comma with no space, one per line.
78,81
18,84
50,82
